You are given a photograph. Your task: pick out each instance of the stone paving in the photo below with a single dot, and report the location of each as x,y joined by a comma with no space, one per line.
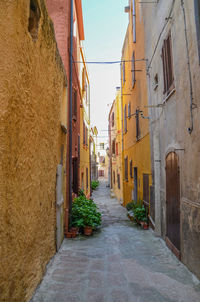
120,263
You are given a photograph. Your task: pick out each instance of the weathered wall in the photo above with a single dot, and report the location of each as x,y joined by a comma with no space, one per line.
31,92
170,123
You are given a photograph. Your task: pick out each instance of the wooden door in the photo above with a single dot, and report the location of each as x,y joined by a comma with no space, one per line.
173,202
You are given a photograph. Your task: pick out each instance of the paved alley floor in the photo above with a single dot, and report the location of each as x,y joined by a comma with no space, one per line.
121,263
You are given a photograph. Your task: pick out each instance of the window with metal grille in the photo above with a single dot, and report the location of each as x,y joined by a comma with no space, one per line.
118,180
133,69
113,119
126,168
129,110
74,104
134,22
131,169
125,119
137,124
168,73
197,20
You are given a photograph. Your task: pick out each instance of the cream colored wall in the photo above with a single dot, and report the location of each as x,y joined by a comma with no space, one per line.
31,93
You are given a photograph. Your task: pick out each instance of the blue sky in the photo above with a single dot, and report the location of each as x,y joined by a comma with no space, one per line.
105,24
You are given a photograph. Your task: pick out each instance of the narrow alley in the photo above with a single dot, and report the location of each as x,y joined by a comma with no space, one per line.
120,263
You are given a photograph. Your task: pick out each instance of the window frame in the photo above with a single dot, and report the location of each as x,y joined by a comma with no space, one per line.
167,60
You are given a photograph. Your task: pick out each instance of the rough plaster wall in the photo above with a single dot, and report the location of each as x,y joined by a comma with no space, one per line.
31,93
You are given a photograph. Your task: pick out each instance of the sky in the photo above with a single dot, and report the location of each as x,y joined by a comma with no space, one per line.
105,24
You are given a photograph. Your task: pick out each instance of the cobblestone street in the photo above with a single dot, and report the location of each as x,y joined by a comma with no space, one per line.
120,263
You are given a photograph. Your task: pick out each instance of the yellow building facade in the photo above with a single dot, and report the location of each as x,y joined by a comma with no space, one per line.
136,159
115,135
85,173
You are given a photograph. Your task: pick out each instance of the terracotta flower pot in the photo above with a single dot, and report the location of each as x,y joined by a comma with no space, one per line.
88,230
74,231
144,225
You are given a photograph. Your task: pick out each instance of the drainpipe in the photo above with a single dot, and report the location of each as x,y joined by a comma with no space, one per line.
190,129
70,107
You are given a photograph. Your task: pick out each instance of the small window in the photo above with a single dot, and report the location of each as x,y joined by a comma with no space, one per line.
118,180
113,147
83,133
125,119
129,110
134,22
117,151
131,169
168,74
87,178
113,119
126,168
34,18
133,69
74,104
137,119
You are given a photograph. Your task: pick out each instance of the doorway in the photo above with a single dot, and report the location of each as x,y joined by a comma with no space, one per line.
173,203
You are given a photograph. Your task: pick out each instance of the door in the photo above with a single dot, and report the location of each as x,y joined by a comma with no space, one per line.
173,202
135,192
75,175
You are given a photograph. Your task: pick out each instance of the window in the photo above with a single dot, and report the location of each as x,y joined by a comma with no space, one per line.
134,22
131,169
117,152
34,18
167,65
118,180
113,119
124,70
83,133
86,136
133,69
125,119
129,110
126,168
137,124
101,146
113,146
87,178
114,177
197,20
74,104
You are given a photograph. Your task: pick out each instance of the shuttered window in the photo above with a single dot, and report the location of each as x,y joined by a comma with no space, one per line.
126,168
125,119
137,119
133,69
118,180
168,74
114,177
74,104
83,133
113,119
131,169
129,110
113,146
117,152
123,71
134,22
87,178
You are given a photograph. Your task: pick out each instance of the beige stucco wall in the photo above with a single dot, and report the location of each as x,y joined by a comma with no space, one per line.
31,92
169,122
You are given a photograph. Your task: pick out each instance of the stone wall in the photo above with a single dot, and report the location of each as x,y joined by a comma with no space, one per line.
31,92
